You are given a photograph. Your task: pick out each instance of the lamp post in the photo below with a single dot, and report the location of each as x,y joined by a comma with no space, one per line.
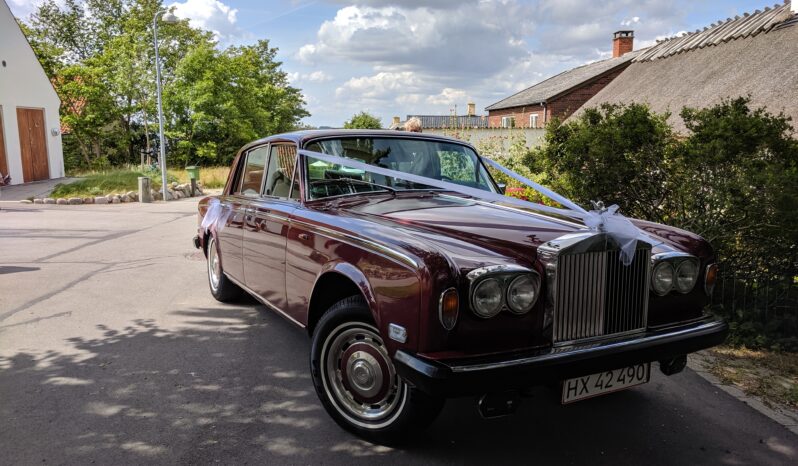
171,19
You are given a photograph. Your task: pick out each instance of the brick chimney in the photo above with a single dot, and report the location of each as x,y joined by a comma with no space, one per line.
622,42
472,109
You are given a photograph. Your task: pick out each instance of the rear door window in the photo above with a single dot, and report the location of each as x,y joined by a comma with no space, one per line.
252,176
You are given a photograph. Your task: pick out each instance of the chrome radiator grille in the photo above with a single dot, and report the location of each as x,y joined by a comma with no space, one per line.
597,295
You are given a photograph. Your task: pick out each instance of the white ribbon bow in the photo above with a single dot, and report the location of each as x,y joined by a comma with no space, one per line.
616,226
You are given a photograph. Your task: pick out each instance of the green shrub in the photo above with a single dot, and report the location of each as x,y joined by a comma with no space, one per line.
733,178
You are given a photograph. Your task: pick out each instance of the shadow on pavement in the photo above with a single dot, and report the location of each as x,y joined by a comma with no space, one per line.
231,385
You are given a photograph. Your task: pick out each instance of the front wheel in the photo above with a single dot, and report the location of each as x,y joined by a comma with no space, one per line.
357,383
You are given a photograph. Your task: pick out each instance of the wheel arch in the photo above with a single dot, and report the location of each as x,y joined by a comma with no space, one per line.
336,281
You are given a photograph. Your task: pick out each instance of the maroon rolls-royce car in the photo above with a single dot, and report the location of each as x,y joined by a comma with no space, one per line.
413,293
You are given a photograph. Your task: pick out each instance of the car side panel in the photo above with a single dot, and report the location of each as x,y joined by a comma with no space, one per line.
391,287
229,234
265,232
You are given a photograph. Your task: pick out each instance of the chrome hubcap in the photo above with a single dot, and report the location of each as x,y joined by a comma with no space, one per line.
359,376
364,374
214,267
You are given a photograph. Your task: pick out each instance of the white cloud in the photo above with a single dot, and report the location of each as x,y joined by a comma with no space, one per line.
212,15
466,40
415,56
318,76
448,96
381,86
631,21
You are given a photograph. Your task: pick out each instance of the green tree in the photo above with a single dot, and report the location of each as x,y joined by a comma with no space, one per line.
363,120
613,153
732,178
738,186
224,99
106,47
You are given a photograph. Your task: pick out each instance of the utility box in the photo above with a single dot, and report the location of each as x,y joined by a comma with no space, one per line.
193,172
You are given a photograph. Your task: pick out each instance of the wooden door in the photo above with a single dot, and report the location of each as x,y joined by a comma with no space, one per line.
32,144
3,160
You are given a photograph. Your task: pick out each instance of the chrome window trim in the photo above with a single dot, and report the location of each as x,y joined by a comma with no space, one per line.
306,175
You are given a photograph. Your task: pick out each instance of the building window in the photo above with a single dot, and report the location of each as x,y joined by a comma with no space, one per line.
508,122
533,120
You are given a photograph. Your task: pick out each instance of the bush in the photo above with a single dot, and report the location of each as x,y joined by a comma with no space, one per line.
733,178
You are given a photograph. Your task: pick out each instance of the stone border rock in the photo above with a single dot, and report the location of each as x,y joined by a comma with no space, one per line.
174,192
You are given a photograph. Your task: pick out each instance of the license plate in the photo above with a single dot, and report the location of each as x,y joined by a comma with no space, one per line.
592,385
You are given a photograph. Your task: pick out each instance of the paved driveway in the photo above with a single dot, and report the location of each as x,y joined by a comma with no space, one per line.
112,351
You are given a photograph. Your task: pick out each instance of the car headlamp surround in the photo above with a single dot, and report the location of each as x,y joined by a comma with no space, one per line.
667,264
686,275
487,298
503,276
523,284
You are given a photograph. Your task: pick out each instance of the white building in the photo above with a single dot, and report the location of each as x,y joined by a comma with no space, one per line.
30,135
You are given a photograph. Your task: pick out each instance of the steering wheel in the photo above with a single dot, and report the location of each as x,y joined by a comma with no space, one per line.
446,178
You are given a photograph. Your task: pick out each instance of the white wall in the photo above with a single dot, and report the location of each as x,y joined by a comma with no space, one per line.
23,83
503,136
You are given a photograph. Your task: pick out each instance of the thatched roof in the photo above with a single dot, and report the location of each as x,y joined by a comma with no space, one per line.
561,83
702,68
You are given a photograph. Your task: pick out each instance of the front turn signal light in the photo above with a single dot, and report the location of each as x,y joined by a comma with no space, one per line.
710,277
448,308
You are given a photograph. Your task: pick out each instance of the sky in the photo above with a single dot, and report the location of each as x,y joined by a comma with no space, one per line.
394,58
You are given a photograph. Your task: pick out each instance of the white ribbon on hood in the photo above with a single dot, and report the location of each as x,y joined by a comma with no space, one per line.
608,221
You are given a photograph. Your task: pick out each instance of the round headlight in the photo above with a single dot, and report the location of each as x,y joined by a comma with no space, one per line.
686,276
522,293
487,298
662,278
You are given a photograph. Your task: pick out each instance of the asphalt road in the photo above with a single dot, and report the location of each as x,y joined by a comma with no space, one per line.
112,351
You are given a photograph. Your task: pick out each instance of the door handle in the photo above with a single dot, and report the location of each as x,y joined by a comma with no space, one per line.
304,236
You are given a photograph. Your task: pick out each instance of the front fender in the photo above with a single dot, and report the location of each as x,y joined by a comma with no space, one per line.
392,292
357,277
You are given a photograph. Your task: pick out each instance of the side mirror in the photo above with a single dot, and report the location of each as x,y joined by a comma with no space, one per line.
502,187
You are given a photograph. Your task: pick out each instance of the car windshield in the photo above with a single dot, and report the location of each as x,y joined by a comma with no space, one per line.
438,160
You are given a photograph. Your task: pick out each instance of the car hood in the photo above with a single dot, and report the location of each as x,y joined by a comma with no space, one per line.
475,233
468,231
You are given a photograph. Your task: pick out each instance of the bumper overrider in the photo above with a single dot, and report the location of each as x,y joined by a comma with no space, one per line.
543,366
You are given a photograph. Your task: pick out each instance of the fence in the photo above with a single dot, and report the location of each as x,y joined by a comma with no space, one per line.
761,310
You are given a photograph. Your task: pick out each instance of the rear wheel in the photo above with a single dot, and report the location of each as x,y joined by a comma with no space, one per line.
357,383
222,288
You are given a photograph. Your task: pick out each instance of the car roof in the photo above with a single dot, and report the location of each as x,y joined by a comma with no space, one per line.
305,136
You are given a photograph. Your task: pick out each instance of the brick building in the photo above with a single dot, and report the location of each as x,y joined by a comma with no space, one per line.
562,94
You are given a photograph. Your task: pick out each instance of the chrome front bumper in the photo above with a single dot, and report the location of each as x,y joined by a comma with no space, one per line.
541,366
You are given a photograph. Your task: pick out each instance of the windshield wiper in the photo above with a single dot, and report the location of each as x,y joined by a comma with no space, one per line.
353,180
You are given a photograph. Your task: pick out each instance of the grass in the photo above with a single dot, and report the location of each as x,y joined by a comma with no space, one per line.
210,177
122,180
769,375
102,183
